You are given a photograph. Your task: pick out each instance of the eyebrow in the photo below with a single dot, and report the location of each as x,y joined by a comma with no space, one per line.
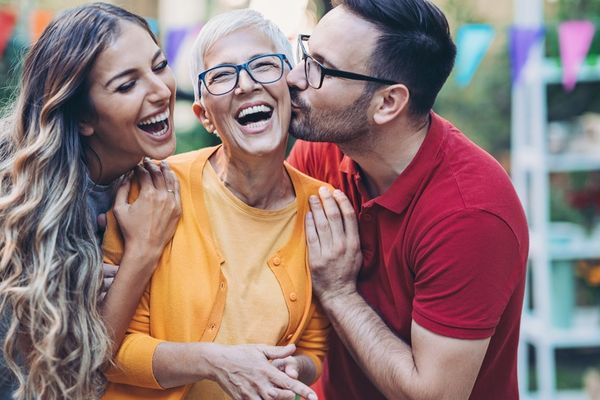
131,70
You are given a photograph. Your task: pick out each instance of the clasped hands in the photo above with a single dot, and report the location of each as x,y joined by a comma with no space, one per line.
258,372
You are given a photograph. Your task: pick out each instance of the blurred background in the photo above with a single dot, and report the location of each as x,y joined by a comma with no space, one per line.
526,87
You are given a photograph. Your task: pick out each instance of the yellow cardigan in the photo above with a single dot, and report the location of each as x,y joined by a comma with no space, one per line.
185,299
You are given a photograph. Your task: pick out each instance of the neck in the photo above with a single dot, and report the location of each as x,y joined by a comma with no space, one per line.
385,152
260,182
104,173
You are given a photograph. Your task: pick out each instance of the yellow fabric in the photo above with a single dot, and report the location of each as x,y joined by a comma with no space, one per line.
185,299
255,310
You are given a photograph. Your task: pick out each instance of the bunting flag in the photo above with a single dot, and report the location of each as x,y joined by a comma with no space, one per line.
173,43
522,39
39,20
472,43
153,24
7,24
575,39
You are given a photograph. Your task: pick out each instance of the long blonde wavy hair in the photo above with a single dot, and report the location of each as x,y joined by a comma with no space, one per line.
50,262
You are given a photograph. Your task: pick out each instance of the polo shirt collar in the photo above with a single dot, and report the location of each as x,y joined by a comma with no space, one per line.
406,185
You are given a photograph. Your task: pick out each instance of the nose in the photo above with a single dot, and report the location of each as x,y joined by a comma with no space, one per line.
159,89
245,83
297,78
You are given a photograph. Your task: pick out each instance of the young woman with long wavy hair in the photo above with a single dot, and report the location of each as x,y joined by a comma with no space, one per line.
96,96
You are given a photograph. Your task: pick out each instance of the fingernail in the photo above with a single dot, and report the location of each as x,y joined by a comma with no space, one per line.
146,159
323,190
314,199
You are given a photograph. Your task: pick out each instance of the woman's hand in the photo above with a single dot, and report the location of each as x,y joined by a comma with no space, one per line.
149,222
298,367
250,372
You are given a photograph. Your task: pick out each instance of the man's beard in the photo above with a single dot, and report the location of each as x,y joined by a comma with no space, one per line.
331,125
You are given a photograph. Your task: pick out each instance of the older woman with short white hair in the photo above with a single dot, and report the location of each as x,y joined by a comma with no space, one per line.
229,311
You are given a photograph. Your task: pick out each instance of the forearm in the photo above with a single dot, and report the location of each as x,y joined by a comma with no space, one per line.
177,364
124,294
386,359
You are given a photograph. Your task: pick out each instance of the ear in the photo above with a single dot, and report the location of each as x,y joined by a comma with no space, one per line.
391,102
85,129
200,112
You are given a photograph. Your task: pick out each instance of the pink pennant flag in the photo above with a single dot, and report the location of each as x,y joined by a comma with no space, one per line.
575,38
7,23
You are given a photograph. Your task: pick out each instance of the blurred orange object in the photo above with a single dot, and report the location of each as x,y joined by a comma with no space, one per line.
38,21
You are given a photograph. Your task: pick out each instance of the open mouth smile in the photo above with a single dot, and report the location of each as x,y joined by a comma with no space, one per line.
157,125
255,116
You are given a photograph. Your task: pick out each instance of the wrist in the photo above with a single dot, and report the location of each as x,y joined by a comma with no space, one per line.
338,294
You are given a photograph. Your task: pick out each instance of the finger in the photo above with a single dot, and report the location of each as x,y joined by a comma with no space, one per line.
312,238
321,222
284,382
274,352
280,394
155,174
288,365
291,370
171,181
123,191
101,221
332,212
144,178
348,214
106,283
109,270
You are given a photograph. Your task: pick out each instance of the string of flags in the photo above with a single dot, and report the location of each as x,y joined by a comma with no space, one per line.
473,42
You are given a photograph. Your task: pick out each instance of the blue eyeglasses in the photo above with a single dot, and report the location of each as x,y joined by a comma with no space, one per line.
222,79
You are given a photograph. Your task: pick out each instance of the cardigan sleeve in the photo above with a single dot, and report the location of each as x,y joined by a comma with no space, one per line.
133,363
313,341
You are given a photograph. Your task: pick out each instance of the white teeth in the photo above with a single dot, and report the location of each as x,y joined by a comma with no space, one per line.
255,125
157,118
161,132
253,109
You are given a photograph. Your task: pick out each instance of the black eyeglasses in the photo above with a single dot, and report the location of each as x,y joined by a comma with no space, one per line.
315,71
222,79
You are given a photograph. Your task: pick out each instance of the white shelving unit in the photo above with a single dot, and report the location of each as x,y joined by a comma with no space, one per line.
531,168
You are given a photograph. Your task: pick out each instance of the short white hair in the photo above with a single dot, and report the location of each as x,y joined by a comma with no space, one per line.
224,24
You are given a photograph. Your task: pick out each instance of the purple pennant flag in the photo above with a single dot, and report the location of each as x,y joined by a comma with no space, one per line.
174,39
522,40
575,39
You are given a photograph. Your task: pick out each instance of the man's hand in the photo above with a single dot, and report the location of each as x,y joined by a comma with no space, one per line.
333,244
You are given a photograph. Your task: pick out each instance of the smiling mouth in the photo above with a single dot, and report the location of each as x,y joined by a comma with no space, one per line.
156,126
255,116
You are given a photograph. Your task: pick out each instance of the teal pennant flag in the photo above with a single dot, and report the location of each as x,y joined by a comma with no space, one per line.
472,44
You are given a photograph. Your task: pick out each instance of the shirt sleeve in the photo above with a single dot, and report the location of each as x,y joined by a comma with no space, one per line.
467,267
313,342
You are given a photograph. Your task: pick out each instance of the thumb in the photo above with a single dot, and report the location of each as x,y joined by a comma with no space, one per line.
274,352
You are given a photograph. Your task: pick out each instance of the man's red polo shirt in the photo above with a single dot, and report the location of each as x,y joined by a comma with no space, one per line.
446,246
